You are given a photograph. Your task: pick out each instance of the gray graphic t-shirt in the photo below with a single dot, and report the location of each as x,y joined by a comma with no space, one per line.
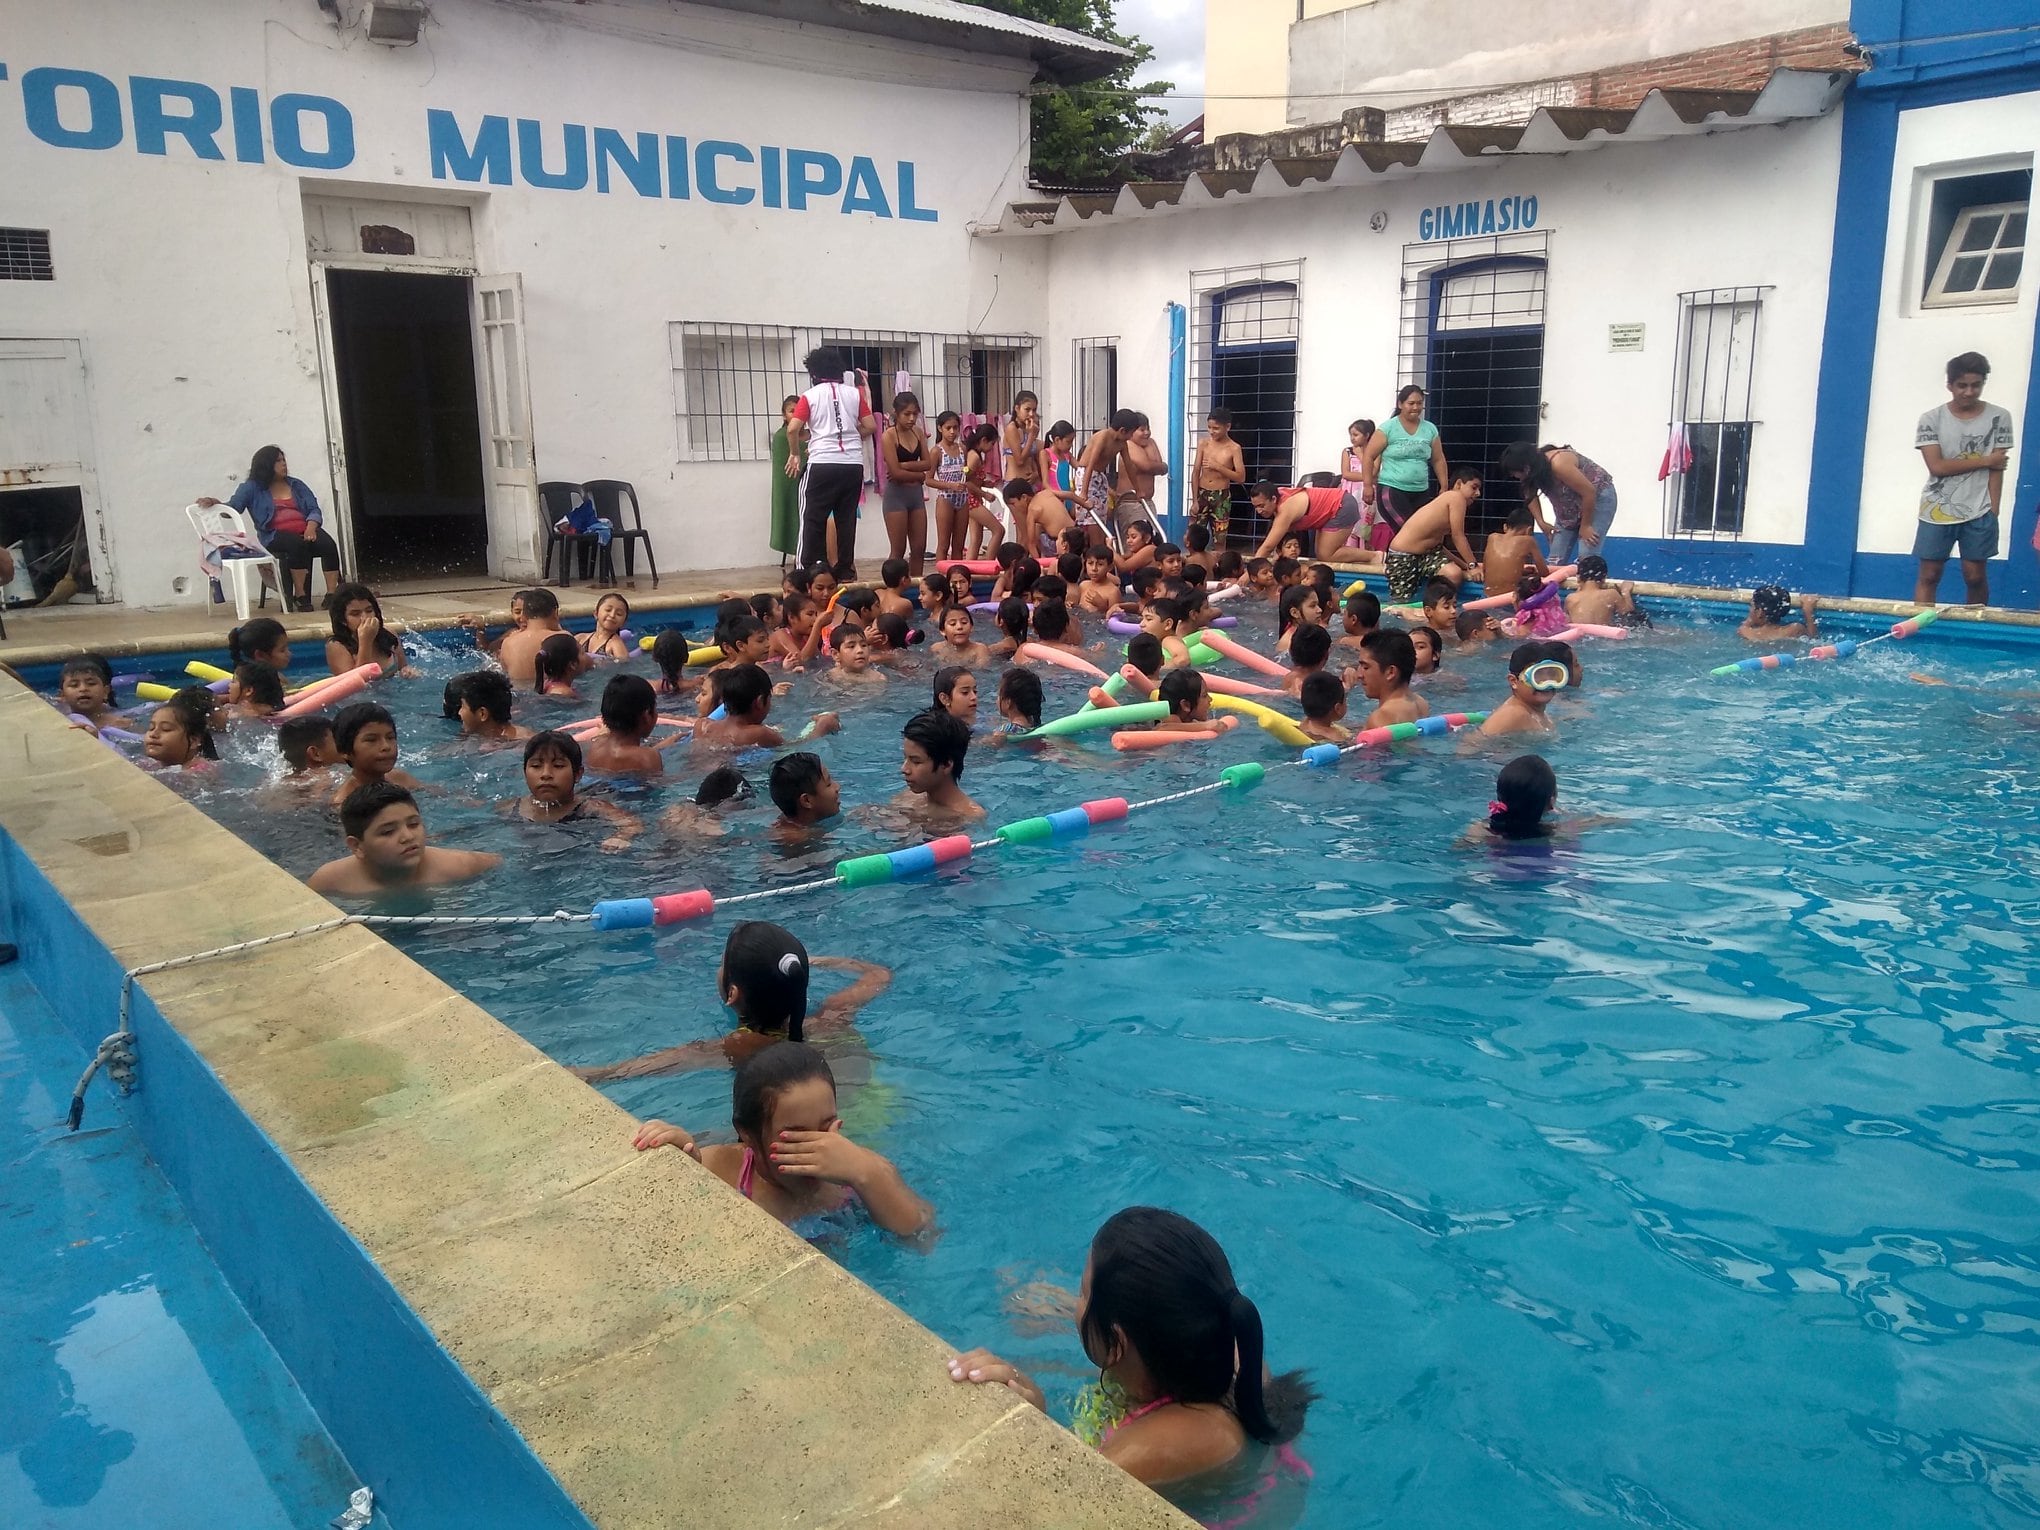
1961,496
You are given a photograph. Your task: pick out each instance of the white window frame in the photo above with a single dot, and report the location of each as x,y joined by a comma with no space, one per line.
1937,295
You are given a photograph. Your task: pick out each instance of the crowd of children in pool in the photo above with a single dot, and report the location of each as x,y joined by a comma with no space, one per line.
1182,1391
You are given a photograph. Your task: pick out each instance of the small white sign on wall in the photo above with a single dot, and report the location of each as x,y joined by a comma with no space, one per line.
1625,337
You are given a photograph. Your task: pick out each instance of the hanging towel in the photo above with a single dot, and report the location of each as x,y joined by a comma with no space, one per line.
1678,453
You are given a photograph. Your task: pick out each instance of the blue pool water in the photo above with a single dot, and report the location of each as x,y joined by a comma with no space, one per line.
1676,1176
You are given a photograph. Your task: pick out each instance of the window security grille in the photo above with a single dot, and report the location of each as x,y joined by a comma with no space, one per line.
1712,428
1245,325
25,255
730,379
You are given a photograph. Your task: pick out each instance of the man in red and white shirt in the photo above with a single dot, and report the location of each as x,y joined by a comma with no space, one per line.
834,418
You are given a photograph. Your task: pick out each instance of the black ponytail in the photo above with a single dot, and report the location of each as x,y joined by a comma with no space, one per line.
1162,1283
256,636
1524,793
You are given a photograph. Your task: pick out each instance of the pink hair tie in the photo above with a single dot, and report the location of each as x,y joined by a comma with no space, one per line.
1497,807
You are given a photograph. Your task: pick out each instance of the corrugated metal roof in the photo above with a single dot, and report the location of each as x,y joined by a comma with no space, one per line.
1060,54
1790,95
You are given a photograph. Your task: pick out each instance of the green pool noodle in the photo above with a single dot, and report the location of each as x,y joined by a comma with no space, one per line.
1101,717
1025,831
865,871
1240,777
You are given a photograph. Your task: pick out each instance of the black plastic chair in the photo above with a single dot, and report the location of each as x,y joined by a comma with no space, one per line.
609,495
556,502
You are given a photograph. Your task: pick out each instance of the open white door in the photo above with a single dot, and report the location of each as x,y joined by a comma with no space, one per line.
340,518
510,466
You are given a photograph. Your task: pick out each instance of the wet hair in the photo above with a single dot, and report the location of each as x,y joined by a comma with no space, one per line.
1257,566
1392,649
1291,607
1519,518
1098,551
1467,623
743,686
1169,609
768,966
1022,688
843,634
1286,568
1179,690
1026,572
1142,530
1218,416
194,707
1321,695
260,683
1194,575
1772,602
1229,564
1144,579
763,604
348,725
736,631
1069,568
1051,587
857,600
798,579
1438,591
553,741
1163,1283
945,681
933,586
449,697
793,777
1072,539
1015,488
1429,639
626,699
725,783
946,739
488,690
295,737
336,608
88,664
768,1074
1524,793
1309,646
1529,584
368,803
262,466
257,636
1593,569
1145,653
1364,606
1012,618
1166,550
1527,460
1559,649
558,658
669,652
1052,621
1965,364
894,628
1196,537
825,364
893,573
1526,654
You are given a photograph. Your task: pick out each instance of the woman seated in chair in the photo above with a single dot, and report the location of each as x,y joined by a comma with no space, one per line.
288,520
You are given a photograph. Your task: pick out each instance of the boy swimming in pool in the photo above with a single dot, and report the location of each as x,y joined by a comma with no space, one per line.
746,692
387,852
1324,709
854,667
366,736
932,748
1388,659
630,715
1770,606
806,795
1535,678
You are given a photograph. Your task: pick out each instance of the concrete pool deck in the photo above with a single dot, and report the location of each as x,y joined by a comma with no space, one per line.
36,636
669,1353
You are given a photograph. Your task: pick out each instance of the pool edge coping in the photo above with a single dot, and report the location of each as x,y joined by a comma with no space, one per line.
409,1112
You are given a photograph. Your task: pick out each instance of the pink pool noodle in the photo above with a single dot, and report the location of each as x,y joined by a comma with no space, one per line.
1220,643
339,688
1057,656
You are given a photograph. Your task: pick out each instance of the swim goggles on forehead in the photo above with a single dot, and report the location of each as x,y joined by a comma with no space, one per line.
1547,675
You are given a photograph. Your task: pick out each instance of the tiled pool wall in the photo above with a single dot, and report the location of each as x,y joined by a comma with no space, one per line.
503,1314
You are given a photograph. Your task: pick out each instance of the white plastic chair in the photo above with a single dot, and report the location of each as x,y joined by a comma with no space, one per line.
221,528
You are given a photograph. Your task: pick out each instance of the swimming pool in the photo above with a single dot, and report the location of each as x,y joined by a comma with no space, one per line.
1672,1176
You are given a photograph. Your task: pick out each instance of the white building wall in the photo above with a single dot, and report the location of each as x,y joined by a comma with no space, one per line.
187,281
1914,343
1632,226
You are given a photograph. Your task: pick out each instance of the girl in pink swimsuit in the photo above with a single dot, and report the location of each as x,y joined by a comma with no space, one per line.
1183,1401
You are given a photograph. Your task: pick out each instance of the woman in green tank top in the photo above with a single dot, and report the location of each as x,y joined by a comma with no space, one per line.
1401,458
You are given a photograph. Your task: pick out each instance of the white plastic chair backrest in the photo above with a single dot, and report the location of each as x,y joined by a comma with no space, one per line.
222,526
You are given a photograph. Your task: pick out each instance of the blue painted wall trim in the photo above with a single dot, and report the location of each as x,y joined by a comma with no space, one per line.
411,1423
1179,464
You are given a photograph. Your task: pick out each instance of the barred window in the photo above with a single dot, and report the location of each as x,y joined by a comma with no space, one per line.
1712,428
25,255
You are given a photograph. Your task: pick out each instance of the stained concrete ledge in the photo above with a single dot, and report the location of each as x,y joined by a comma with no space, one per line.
672,1355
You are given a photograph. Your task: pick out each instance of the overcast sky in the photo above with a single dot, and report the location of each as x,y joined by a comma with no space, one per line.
1175,30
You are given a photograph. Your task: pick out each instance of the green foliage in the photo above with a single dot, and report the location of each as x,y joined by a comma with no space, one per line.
1082,133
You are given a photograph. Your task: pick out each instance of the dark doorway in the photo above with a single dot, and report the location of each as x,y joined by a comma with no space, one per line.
1486,393
409,423
47,526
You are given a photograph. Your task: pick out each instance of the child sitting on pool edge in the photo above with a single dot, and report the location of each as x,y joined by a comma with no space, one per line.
552,778
387,852
790,1157
932,749
763,980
